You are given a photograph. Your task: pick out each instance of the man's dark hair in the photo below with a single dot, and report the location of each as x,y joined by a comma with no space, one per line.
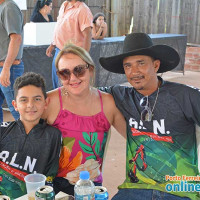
30,78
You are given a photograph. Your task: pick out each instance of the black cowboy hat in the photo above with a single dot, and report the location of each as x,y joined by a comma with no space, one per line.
141,44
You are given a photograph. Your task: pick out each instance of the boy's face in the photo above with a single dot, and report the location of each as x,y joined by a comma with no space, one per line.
30,103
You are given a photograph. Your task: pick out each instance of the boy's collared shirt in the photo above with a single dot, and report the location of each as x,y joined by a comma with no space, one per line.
22,154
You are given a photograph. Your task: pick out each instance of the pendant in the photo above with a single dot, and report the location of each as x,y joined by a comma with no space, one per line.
149,116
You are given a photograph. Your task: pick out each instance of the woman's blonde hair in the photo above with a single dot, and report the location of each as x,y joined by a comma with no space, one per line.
79,51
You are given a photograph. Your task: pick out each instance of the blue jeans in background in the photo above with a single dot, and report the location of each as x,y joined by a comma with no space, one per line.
55,79
143,194
8,92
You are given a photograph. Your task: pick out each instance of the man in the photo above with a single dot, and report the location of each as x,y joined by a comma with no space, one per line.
28,145
73,25
161,118
11,49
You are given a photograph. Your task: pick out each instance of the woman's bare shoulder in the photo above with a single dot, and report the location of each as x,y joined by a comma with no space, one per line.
53,106
106,95
107,98
53,96
53,93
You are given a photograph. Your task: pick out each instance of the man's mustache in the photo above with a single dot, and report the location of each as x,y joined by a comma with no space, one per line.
137,77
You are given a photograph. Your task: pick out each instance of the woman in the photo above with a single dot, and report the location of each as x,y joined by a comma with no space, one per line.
84,116
41,12
99,29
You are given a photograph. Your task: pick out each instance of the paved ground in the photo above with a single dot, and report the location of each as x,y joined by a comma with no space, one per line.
114,167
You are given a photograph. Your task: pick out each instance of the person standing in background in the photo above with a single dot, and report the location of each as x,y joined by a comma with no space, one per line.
74,25
41,12
11,50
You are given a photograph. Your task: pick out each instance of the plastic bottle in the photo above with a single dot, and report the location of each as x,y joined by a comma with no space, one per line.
84,188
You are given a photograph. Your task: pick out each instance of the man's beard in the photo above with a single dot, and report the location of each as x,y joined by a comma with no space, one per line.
138,88
135,85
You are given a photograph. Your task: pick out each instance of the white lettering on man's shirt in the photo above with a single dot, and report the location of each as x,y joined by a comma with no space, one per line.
158,126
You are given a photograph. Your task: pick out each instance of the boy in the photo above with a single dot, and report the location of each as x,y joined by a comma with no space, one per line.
28,145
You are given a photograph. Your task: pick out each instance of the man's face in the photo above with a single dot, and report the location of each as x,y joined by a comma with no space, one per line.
30,103
141,71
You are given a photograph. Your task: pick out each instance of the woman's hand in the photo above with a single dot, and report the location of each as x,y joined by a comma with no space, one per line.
92,166
103,24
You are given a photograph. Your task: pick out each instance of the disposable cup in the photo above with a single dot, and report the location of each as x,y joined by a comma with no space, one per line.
3,197
33,182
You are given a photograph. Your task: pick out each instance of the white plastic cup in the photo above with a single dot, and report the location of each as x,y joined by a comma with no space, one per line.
3,197
33,182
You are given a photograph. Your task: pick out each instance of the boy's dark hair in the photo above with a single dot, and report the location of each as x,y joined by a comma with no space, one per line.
98,15
30,78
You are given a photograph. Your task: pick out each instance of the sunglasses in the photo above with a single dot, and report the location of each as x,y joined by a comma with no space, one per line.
78,71
146,114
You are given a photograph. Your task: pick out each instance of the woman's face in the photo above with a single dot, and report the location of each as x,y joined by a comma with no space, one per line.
99,20
49,8
75,74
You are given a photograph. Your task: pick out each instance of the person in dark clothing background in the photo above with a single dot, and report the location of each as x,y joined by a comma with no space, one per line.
41,12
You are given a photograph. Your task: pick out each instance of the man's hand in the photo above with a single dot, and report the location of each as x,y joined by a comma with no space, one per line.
87,33
5,77
49,50
13,49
